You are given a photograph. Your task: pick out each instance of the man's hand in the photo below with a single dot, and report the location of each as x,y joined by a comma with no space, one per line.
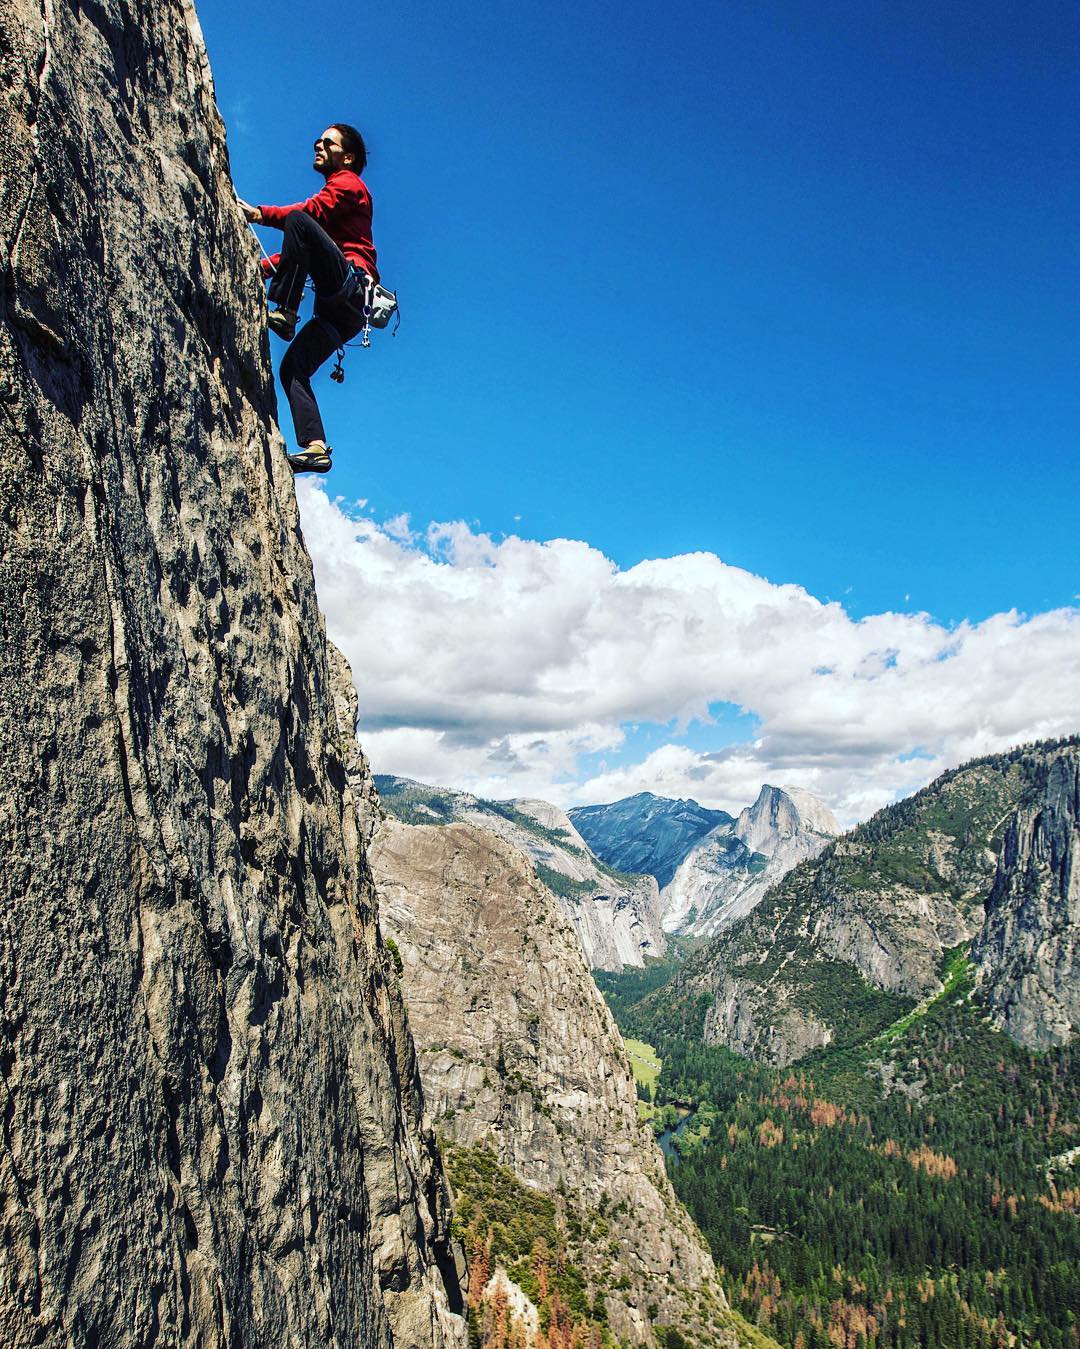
251,213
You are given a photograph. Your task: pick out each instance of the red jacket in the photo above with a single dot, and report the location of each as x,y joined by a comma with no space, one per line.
343,209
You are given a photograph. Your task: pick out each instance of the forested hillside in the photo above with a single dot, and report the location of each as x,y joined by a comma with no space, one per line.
903,1193
914,1179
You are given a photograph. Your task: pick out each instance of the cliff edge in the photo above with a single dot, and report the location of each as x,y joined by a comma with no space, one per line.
212,1115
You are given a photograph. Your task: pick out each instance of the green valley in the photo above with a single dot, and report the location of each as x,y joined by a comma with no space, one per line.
890,1194
881,1164
644,1063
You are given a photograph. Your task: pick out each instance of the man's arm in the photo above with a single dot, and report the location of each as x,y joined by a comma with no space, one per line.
320,207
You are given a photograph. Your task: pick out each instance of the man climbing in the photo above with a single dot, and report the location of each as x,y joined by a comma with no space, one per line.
327,237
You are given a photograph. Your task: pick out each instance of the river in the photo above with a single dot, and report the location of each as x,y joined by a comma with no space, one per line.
665,1138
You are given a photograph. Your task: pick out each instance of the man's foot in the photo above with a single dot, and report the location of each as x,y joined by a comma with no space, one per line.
313,458
283,322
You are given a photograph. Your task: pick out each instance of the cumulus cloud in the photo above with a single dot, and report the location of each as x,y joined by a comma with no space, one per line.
495,665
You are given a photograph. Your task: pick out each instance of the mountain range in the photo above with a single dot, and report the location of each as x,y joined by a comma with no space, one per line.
712,867
616,915
860,934
869,1081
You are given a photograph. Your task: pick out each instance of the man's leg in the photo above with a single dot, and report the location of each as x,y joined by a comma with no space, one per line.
315,341
306,250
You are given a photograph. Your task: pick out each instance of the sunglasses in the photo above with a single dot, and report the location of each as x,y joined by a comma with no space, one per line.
327,144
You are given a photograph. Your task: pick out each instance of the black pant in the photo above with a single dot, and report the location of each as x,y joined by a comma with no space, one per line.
308,250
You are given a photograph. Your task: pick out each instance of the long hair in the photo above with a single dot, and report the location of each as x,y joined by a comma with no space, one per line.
353,144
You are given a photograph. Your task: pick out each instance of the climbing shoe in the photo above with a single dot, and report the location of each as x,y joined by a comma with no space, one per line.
311,459
283,322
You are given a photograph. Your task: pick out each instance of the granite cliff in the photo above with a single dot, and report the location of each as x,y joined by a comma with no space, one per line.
1026,955
725,874
212,1114
616,915
521,1060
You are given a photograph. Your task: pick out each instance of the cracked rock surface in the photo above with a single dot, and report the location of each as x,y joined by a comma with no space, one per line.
1028,953
211,1111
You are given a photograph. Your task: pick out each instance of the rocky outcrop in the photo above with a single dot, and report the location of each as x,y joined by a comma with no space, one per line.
369,811
726,874
779,1029
786,817
212,1117
853,938
1027,956
519,1052
646,833
616,916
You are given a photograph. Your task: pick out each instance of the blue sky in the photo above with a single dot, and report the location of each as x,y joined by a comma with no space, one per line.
794,283
791,284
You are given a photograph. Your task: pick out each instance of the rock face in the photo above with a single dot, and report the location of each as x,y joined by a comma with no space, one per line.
726,874
784,817
615,915
646,833
518,1051
851,939
212,1113
1027,956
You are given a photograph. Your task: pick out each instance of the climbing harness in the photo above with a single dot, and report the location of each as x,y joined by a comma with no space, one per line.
377,304
377,307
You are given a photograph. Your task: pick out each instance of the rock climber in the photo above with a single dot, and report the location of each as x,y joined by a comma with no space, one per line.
327,237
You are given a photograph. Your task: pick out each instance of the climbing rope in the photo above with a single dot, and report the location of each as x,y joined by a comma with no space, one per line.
269,261
266,255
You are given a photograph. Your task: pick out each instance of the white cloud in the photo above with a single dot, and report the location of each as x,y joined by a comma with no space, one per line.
492,665
399,528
